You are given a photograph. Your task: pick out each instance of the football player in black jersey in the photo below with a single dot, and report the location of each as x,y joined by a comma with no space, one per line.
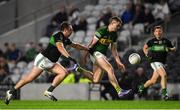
47,60
156,50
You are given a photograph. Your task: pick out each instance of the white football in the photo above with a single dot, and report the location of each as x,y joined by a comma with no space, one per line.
134,58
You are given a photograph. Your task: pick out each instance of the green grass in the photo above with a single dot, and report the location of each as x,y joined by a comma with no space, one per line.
15,104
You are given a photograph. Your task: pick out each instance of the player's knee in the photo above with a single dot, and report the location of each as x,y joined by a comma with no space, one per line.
110,71
164,76
64,73
153,81
95,81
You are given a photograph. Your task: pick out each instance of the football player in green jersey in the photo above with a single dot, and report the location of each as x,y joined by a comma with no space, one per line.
98,47
47,60
156,50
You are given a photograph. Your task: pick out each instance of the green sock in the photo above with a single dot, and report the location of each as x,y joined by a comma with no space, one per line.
79,69
164,91
141,88
118,89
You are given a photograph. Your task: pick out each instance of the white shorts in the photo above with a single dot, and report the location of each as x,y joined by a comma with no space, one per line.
96,55
42,62
157,65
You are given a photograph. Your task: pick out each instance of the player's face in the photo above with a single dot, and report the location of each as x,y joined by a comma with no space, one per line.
68,31
115,25
158,33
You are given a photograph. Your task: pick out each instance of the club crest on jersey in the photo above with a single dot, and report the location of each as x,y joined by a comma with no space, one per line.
160,42
105,41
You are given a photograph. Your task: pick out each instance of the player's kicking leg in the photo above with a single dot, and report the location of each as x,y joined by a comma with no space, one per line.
105,65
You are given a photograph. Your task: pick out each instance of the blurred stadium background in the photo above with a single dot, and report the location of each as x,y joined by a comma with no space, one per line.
26,25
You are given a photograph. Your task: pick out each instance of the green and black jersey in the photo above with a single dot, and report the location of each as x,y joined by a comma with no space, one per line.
158,49
105,39
51,52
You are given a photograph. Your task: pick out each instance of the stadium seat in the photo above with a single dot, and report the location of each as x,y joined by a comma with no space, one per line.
30,65
103,2
92,27
124,36
123,2
79,36
85,13
136,32
125,33
99,7
44,41
22,65
89,8
16,75
91,20
96,13
113,2
139,27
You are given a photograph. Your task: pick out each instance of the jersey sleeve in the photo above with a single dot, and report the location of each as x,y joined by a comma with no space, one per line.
169,44
68,42
58,38
99,33
150,43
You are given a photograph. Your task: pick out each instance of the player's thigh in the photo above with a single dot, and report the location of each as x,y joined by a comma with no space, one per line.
58,69
42,62
97,73
159,68
104,64
161,71
34,73
154,77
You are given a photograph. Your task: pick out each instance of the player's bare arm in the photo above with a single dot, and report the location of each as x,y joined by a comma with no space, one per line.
116,56
62,50
145,49
79,46
93,42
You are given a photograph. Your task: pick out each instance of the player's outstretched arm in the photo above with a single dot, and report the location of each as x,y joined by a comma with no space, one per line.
79,46
93,41
172,49
61,49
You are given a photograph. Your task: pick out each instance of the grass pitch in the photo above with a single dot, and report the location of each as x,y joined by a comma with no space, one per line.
47,104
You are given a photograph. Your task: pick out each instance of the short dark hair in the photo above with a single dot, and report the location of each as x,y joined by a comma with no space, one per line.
64,25
116,18
157,27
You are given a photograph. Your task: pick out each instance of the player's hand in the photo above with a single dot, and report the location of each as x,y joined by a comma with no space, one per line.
121,67
149,56
167,49
72,59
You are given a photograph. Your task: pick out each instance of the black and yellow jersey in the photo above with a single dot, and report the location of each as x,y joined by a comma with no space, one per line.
51,52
